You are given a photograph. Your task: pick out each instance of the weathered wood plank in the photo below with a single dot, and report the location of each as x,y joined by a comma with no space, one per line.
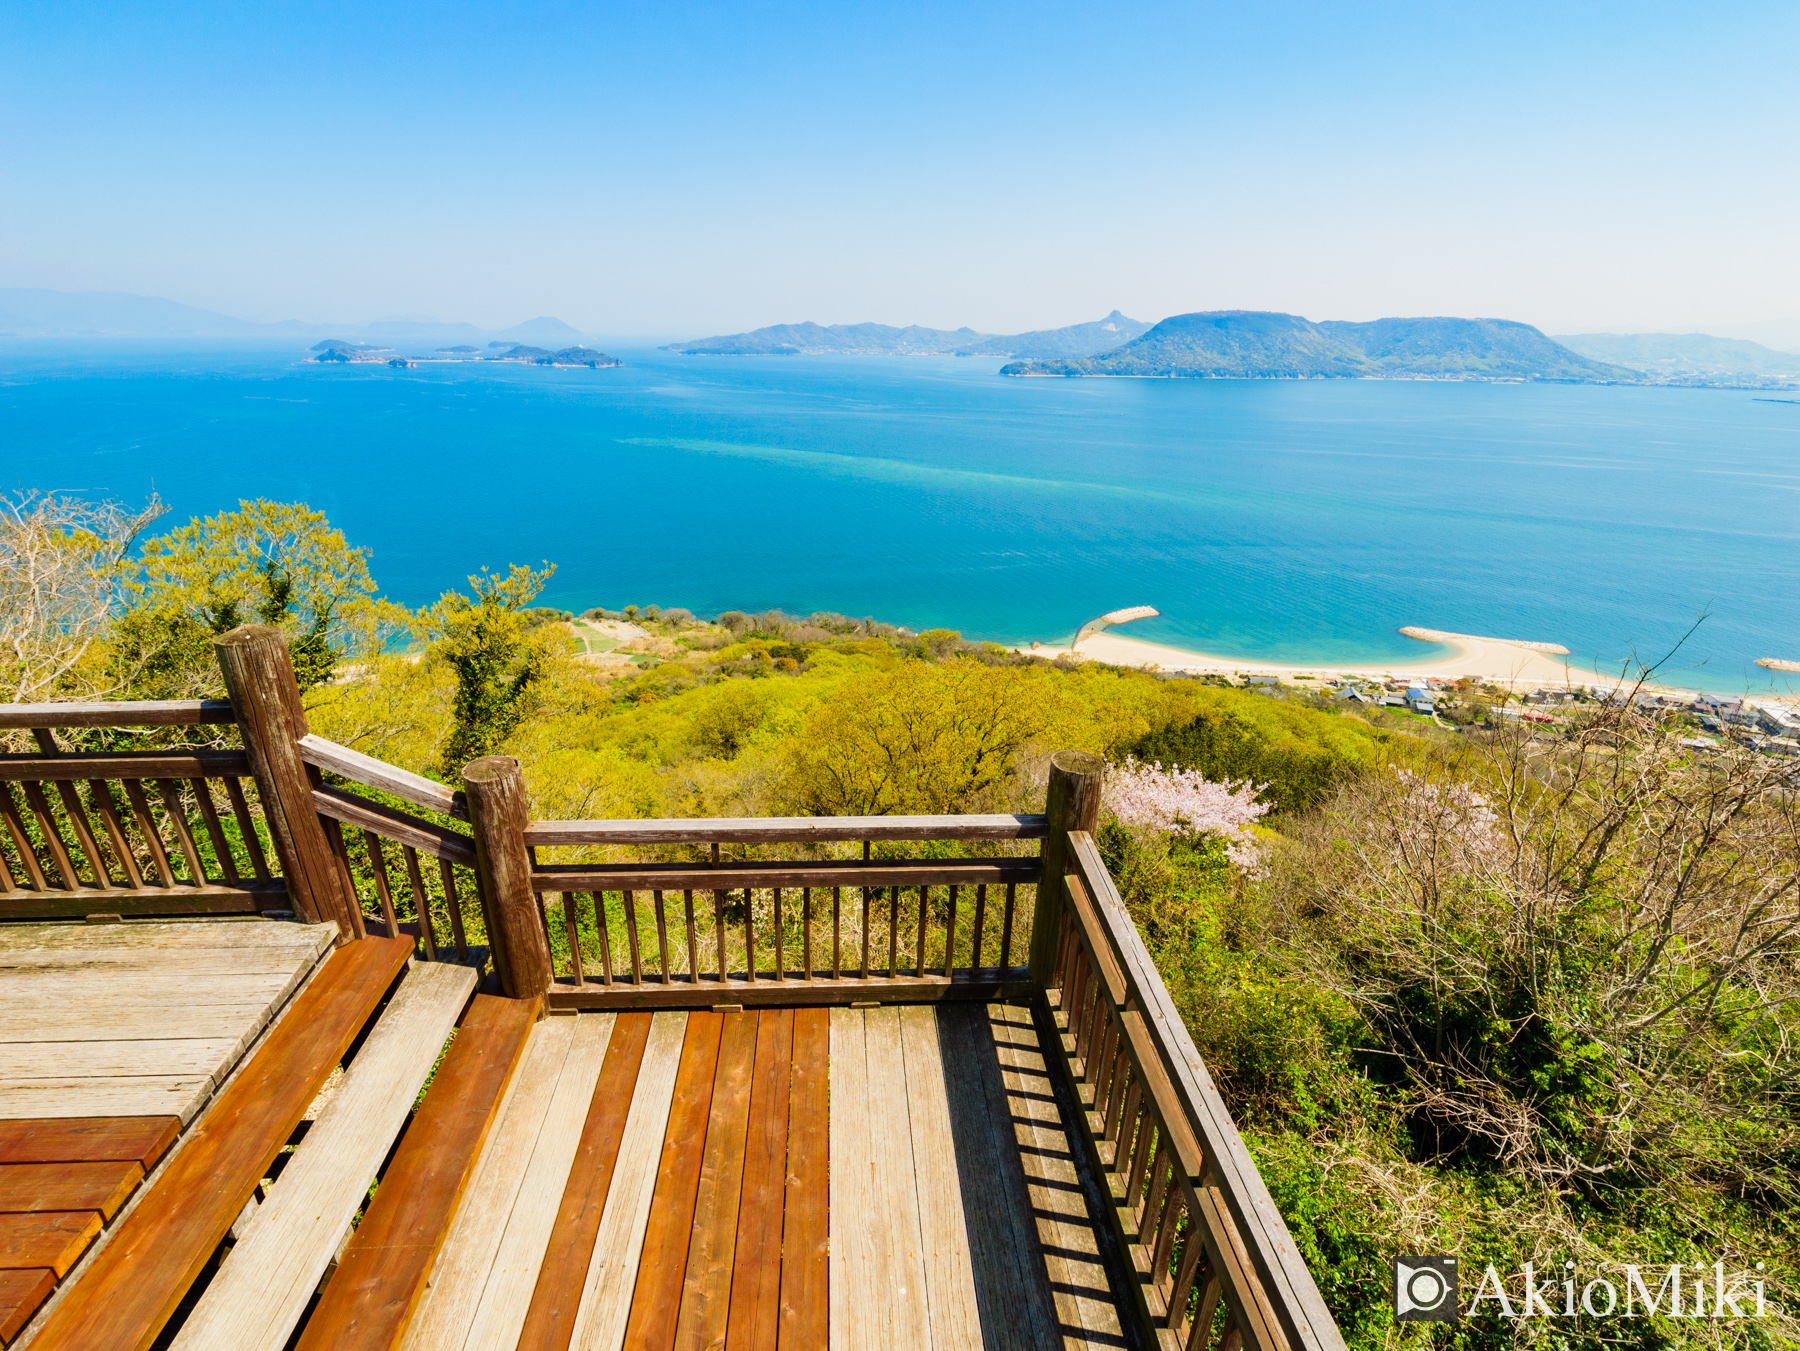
1012,1289
381,1276
507,1295
712,1244
101,1186
656,1297
137,1279
142,1095
456,1283
954,1312
235,935
823,992
1086,1304
736,876
755,1315
853,1323
136,1139
244,898
46,1238
118,713
124,765
618,1247
259,1294
783,829
373,773
806,1204
899,1272
184,1057
437,841
20,1294
555,1302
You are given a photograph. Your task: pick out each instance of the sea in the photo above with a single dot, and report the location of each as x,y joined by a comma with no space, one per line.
1270,521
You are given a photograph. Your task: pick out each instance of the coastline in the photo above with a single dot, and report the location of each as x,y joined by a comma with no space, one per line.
1498,660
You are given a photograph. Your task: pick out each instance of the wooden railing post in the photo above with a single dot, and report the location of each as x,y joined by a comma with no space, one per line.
494,787
1071,803
260,680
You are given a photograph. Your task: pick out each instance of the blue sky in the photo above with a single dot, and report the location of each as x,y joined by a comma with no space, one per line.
682,169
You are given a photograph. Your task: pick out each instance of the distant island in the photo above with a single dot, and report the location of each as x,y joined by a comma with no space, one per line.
568,356
1076,340
1263,345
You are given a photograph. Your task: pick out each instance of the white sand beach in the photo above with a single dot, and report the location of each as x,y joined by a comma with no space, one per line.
1502,660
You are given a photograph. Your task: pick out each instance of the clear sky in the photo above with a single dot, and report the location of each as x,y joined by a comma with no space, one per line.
683,169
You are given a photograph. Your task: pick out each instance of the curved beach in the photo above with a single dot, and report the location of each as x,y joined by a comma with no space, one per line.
1504,661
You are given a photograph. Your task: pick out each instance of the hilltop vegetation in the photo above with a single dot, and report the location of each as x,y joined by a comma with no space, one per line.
1251,344
1516,995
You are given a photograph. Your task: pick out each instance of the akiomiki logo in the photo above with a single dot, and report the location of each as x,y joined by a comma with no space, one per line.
1425,1290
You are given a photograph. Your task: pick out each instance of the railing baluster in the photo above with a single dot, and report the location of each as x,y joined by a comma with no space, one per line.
6,872
234,789
1200,1330
53,841
865,926
215,833
1006,932
693,939
169,791
780,938
1160,1169
146,823
606,971
978,938
84,837
421,902
837,933
454,905
572,927
924,926
1193,1248
749,937
631,935
893,966
15,826
662,933
100,794
383,893
806,923
1149,1128
719,925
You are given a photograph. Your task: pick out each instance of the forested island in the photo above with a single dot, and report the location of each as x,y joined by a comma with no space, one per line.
1263,345
1074,340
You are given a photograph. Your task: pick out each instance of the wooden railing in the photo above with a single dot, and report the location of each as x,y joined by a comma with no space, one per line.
1023,909
1209,1248
793,931
129,832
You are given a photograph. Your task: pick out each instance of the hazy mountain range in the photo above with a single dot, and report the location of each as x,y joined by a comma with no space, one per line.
1261,345
1688,358
28,312
1077,340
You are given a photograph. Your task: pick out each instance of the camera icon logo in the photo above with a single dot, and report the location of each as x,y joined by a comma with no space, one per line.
1425,1289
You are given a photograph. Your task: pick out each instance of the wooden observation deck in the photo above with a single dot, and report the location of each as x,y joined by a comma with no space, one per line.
300,1049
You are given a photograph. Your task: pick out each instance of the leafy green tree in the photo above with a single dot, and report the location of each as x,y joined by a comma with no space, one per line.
278,563
499,657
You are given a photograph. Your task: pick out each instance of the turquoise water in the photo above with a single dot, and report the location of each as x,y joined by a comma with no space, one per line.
1271,520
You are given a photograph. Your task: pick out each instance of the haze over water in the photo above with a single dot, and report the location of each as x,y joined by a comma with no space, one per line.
1279,521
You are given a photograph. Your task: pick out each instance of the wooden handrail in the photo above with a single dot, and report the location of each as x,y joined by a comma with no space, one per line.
785,829
881,872
1292,1295
119,713
395,825
378,774
125,765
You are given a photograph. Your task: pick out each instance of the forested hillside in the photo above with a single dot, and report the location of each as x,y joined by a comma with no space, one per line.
1519,995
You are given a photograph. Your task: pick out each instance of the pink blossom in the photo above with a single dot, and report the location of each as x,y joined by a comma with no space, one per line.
1183,802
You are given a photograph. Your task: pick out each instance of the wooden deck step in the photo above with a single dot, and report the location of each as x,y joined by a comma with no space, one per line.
382,1274
20,1294
265,1284
134,1282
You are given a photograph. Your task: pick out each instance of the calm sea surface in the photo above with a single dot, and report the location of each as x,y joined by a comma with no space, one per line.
1282,521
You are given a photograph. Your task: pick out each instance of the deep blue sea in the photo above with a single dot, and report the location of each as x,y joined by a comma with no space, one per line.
1272,520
